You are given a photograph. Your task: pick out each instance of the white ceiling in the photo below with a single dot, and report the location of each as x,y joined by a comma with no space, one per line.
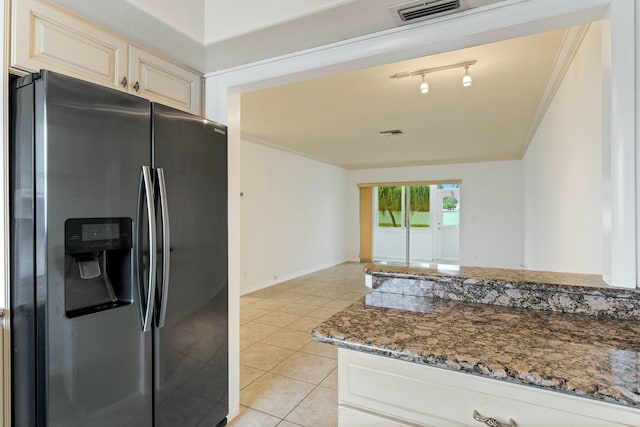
301,28
211,21
227,19
185,16
336,119
212,35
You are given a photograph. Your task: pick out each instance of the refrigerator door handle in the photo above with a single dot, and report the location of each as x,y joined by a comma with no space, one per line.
151,218
166,247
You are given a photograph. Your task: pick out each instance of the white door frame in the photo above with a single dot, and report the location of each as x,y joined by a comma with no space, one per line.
507,19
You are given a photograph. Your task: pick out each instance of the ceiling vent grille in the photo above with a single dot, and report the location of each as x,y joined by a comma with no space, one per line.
412,11
392,132
424,10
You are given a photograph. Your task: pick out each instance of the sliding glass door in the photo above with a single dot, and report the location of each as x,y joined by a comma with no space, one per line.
419,230
408,226
389,232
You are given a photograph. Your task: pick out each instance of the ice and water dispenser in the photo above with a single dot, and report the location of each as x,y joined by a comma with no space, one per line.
97,264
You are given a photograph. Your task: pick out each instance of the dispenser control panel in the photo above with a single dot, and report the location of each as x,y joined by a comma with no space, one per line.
82,235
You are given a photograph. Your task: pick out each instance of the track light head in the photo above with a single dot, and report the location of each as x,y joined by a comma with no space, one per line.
424,86
466,80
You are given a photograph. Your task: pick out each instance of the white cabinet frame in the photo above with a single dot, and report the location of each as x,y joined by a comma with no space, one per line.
159,80
44,35
415,394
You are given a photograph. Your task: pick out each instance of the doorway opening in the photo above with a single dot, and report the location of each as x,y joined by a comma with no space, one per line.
225,89
416,224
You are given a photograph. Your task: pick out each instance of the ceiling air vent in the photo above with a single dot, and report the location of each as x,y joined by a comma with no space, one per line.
415,11
392,132
425,9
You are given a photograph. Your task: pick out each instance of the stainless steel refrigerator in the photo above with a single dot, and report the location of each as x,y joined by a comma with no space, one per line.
119,259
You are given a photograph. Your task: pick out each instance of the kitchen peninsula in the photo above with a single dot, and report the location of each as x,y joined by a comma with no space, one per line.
570,337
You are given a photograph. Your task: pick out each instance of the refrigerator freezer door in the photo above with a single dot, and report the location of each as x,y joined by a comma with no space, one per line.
191,349
90,144
23,315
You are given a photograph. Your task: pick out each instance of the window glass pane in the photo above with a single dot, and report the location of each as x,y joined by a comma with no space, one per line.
450,210
420,207
441,186
390,206
450,218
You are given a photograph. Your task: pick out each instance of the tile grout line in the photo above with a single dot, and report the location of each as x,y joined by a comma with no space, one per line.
312,390
351,286
266,413
307,395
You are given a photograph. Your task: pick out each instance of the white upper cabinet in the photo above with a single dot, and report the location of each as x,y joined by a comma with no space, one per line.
162,81
46,36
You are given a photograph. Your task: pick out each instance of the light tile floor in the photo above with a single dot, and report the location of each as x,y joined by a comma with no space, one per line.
286,378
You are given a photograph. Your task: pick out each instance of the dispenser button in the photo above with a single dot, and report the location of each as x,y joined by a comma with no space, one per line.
89,266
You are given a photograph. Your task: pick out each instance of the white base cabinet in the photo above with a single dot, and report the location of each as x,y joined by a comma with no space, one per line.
375,390
46,36
354,417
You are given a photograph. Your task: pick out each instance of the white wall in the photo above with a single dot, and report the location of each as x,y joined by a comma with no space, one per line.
185,16
563,172
127,19
491,233
292,215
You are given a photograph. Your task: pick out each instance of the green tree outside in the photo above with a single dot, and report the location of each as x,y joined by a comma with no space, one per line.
450,203
420,206
390,203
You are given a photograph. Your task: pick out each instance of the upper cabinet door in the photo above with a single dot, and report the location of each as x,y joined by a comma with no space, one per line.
45,36
162,81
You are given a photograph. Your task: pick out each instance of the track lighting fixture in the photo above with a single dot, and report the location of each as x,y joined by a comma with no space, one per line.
424,86
466,80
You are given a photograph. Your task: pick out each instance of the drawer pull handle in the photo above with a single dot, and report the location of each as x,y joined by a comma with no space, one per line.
492,422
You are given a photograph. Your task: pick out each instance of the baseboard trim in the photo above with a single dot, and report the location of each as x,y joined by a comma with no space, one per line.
261,285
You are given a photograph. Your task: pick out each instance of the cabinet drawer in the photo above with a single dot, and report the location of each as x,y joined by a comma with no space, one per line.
351,417
45,36
432,396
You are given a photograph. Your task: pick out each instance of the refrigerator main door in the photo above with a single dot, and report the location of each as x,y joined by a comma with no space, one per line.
191,351
90,145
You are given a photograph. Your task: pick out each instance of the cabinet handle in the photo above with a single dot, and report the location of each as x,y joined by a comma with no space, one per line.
492,422
123,82
136,86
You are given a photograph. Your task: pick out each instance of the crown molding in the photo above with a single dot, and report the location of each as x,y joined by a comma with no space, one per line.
568,49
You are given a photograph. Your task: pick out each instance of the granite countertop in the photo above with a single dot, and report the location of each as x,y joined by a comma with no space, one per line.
493,275
539,290
588,356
